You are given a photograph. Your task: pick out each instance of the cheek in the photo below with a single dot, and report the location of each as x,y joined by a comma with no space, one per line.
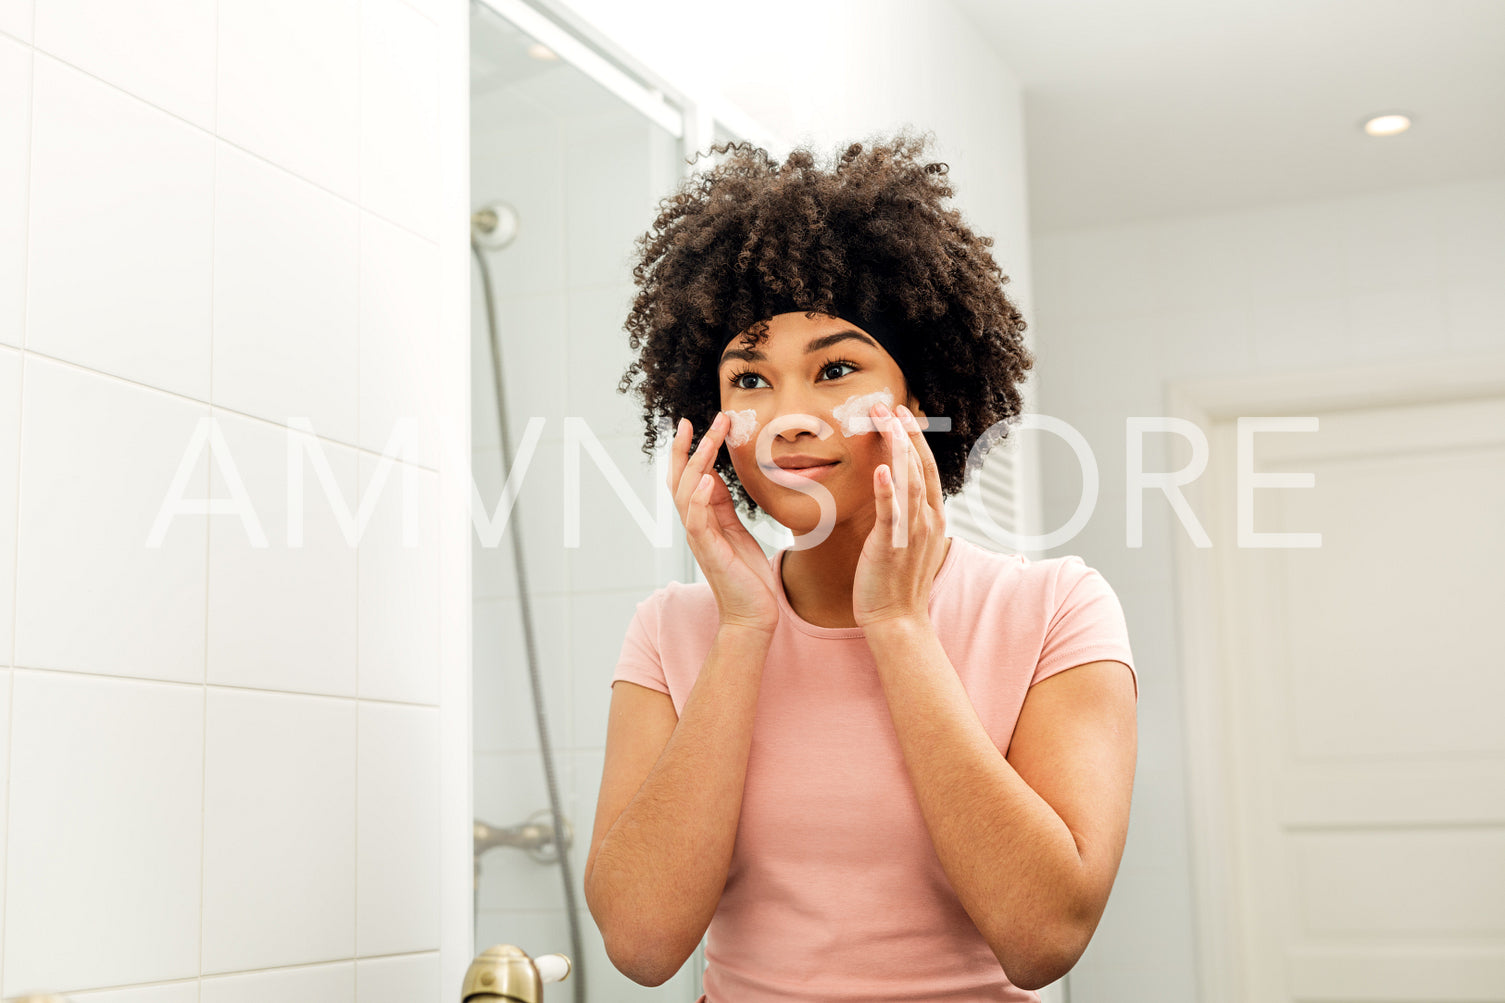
853,415
743,429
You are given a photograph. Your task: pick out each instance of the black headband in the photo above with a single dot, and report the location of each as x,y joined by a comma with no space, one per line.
876,323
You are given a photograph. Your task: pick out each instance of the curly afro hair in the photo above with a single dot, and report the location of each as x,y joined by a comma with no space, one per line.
750,238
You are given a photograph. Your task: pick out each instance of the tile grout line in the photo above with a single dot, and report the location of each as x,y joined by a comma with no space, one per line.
280,426
251,972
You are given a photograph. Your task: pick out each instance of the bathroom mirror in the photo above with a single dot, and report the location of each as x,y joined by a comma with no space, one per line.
569,155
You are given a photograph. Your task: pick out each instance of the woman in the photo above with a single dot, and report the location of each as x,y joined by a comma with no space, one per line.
859,768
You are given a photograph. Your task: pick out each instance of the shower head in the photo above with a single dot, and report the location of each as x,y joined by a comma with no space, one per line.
494,225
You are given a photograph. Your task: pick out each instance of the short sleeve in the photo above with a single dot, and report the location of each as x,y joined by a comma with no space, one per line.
1088,625
639,661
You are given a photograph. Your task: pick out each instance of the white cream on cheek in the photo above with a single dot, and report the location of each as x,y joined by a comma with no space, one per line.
853,412
744,424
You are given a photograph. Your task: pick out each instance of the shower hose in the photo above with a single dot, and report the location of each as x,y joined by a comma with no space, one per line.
577,957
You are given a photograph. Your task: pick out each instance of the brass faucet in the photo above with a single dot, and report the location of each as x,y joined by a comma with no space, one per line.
505,974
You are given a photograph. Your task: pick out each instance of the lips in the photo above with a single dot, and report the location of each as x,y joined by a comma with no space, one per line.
800,461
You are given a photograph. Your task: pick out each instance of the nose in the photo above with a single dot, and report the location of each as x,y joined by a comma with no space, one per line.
798,413
802,421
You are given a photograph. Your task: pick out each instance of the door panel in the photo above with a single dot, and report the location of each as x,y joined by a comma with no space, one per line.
1367,707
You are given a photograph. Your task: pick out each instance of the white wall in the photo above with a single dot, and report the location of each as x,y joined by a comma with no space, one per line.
1411,274
221,760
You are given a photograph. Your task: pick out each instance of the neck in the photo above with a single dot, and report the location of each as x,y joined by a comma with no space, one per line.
818,581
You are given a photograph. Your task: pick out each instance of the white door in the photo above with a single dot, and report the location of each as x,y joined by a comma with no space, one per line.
1365,707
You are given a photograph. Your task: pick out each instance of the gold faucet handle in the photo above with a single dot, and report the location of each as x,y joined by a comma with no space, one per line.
505,974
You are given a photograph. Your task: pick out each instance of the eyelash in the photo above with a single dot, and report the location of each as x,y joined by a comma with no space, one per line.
736,377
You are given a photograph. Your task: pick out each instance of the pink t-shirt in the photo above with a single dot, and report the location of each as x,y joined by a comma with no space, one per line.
835,891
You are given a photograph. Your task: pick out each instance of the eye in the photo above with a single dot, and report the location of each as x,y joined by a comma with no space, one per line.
735,380
837,364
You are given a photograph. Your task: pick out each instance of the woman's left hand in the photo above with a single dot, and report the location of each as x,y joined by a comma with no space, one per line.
907,544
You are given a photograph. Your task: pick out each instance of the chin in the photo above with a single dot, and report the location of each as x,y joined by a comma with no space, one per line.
798,513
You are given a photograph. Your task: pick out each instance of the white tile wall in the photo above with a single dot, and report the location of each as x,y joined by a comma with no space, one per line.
183,202
533,363
101,38
1405,274
539,510
105,823
397,980
15,163
503,700
399,124
99,457
6,677
616,550
279,830
289,86
287,354
116,180
523,167
598,354
176,992
509,789
10,449
313,984
397,875
16,18
594,647
399,284
306,589
399,596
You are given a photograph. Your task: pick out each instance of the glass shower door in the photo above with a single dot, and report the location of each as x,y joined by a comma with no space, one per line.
566,169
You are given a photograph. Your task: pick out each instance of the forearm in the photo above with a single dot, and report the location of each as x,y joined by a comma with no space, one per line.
1012,861
661,868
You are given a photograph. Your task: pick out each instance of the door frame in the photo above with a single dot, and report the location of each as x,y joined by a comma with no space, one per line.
1209,772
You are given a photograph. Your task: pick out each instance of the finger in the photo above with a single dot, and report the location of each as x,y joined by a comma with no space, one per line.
699,462
899,471
890,515
678,454
930,469
698,518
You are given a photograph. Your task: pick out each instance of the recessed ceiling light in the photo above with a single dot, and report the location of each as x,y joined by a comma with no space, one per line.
540,51
1387,125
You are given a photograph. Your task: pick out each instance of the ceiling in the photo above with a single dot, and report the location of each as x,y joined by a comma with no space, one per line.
1137,109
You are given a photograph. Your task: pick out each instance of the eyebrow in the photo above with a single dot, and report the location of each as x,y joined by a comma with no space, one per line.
815,345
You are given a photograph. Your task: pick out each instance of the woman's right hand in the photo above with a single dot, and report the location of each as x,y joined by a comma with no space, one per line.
734,565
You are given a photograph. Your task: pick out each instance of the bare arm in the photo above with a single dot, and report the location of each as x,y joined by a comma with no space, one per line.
671,797
1032,841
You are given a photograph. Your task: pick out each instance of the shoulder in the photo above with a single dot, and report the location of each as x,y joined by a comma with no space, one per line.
1055,579
677,605
1050,579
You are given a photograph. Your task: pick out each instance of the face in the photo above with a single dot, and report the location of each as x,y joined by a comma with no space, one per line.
808,369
